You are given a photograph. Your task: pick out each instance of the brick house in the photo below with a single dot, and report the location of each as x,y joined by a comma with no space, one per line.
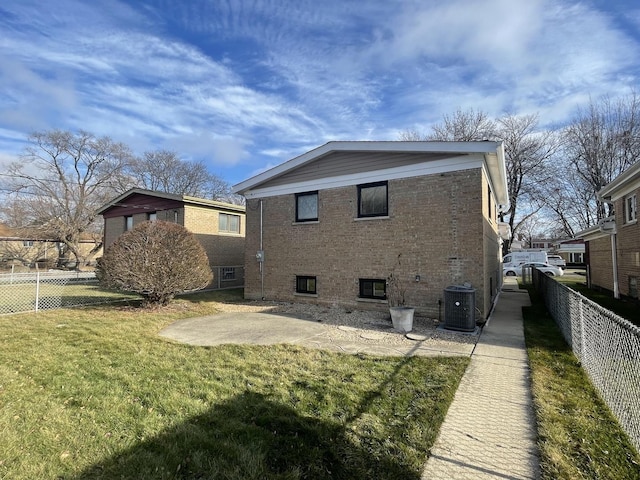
30,247
331,225
218,226
612,248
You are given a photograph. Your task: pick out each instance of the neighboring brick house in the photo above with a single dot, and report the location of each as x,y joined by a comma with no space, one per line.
30,247
618,272
572,251
329,226
218,226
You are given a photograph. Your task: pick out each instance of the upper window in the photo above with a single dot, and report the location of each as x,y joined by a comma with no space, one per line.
128,222
27,243
152,217
305,284
372,200
306,207
373,288
630,209
229,223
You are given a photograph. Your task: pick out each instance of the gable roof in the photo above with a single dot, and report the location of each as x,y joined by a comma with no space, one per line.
184,199
428,157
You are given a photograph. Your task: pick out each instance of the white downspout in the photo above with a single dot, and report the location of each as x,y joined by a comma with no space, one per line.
614,262
262,260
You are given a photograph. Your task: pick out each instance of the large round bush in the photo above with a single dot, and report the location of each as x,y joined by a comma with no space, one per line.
156,260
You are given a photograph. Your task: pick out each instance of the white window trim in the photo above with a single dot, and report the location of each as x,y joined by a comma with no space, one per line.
630,214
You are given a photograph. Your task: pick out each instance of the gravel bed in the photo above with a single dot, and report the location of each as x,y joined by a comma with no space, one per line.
355,325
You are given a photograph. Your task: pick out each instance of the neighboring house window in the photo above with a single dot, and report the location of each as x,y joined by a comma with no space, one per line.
576,257
152,217
229,223
372,200
373,288
630,213
305,284
306,207
228,273
27,243
128,222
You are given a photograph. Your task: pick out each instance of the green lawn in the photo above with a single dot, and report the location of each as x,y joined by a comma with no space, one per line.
20,297
93,393
626,308
578,436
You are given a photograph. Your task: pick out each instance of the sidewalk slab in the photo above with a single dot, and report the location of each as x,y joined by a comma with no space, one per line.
489,431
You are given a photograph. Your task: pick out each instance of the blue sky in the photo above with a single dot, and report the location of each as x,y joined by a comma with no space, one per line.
246,85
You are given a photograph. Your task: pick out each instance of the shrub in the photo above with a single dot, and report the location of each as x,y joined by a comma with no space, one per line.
156,260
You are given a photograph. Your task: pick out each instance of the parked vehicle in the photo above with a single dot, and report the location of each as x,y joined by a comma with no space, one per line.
547,269
515,259
556,260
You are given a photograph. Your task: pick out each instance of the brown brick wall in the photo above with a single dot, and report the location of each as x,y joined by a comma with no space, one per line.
436,222
628,246
600,263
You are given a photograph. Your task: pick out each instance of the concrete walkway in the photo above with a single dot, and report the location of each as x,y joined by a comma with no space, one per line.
489,431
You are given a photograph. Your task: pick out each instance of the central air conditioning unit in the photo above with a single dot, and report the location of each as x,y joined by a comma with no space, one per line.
460,308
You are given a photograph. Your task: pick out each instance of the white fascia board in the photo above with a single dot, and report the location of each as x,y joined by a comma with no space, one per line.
497,174
622,185
376,146
591,233
453,164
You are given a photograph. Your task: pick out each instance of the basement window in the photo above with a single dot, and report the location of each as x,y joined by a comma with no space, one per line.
306,284
227,273
373,288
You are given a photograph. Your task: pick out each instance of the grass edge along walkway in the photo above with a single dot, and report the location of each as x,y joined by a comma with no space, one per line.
578,436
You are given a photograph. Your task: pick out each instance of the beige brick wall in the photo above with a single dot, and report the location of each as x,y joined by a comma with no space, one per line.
600,262
222,248
437,223
628,246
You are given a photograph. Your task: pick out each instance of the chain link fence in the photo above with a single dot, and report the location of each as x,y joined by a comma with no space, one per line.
35,291
607,345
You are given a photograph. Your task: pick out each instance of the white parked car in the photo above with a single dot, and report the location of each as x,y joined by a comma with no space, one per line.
556,261
547,269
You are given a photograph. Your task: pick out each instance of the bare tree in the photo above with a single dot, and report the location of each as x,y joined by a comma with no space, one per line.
601,142
60,181
464,126
527,151
568,200
164,171
461,126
